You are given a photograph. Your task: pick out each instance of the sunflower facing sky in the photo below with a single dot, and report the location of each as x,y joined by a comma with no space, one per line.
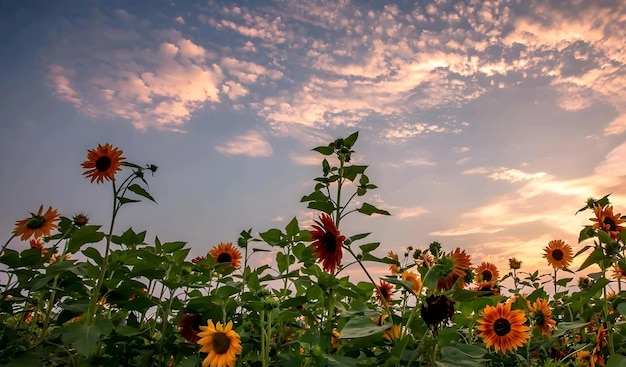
502,328
486,272
460,264
102,163
607,221
559,254
221,343
37,225
541,315
328,243
225,253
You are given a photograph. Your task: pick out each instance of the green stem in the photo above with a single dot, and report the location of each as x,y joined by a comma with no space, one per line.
6,244
555,282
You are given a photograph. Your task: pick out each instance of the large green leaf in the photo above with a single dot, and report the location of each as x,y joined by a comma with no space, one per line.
86,234
81,337
616,360
370,209
141,191
361,326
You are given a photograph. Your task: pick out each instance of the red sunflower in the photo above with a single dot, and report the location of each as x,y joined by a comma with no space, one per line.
384,293
328,243
607,221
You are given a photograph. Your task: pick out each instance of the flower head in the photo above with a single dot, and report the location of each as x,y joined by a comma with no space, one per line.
460,263
80,220
619,273
37,225
489,287
416,282
190,326
607,221
221,343
384,293
395,267
502,328
486,272
437,309
559,254
37,243
328,243
390,334
102,163
225,253
541,315
515,264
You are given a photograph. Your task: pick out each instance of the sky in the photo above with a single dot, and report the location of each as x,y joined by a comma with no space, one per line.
485,124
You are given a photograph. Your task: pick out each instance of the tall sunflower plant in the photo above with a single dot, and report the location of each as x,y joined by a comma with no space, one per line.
74,295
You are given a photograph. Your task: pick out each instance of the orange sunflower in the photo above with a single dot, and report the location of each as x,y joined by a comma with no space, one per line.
221,343
541,314
225,253
559,254
416,282
394,268
460,264
390,334
618,272
102,163
384,293
607,221
37,243
515,264
328,243
486,272
37,225
502,328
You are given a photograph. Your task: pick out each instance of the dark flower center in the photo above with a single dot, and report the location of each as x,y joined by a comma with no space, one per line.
329,241
557,255
224,257
539,318
36,222
502,327
221,343
103,163
611,223
487,275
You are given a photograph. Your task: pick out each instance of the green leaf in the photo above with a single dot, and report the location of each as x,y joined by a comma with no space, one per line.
170,247
140,191
361,326
369,209
622,308
292,228
326,206
272,236
192,361
350,172
616,360
283,260
314,196
81,337
10,258
93,254
369,247
595,257
124,200
359,236
604,237
86,234
563,282
324,150
351,139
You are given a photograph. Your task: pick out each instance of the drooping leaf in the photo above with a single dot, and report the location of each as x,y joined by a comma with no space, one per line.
361,326
141,192
325,150
369,209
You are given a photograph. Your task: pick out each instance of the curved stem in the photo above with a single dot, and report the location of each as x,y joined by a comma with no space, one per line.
6,244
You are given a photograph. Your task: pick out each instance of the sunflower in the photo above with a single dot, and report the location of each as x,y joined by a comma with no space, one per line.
607,221
416,282
515,264
384,293
486,272
80,220
328,243
460,263
618,272
37,243
503,328
190,326
395,267
225,253
221,343
437,309
559,254
596,356
490,287
390,334
102,163
541,314
37,225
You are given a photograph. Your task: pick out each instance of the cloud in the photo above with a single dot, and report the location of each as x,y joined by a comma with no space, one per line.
252,144
404,213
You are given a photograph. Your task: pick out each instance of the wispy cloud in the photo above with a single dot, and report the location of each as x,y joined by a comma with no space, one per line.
252,144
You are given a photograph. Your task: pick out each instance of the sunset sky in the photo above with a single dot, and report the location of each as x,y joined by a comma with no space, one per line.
485,124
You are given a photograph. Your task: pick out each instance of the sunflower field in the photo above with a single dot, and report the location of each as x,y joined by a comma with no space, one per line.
75,294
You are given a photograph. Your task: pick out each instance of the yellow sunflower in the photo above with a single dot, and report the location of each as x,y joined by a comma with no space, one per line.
328,243
618,272
221,343
460,264
394,268
607,221
384,293
486,272
102,163
37,225
502,328
559,254
390,334
225,253
414,279
541,314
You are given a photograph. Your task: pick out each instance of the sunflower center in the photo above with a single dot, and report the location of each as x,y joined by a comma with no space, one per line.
330,242
611,223
103,163
220,342
557,255
502,327
36,222
539,317
487,275
224,257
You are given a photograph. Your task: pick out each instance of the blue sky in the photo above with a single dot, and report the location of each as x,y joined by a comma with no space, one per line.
486,124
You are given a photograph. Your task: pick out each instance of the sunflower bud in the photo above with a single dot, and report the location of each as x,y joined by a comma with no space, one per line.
316,351
270,303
